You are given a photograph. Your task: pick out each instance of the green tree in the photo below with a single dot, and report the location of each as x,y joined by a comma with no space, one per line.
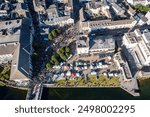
54,33
67,49
61,50
6,76
67,54
50,37
141,8
49,66
52,62
54,58
63,57
58,52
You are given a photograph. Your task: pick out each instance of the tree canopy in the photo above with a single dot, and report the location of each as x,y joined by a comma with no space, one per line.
64,53
63,57
141,8
54,58
54,33
4,73
67,49
49,66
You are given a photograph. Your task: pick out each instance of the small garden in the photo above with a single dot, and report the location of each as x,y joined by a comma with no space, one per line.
4,74
92,81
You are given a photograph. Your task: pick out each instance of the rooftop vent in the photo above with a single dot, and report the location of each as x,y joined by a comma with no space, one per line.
4,32
6,23
10,22
18,21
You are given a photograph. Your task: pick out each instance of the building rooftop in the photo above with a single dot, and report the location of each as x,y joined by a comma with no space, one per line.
8,48
93,5
134,37
56,20
106,23
10,31
52,11
24,53
10,24
38,5
118,9
146,36
102,42
20,6
18,44
139,53
82,41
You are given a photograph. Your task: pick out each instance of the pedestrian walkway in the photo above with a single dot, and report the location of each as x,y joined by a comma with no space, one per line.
130,86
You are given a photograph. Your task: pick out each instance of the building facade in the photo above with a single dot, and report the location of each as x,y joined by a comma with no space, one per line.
137,44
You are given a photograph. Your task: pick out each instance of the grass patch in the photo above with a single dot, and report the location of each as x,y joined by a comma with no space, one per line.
101,81
61,83
2,84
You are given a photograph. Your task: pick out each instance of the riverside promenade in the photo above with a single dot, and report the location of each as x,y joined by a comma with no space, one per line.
36,92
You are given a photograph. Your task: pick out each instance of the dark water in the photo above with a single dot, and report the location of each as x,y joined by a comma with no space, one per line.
79,94
12,94
96,94
85,94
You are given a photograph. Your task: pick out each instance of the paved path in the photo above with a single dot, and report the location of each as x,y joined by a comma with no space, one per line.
131,86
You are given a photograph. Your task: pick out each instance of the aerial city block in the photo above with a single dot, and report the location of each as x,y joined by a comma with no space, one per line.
74,44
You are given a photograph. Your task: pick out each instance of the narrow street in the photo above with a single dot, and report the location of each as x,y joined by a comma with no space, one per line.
36,80
37,39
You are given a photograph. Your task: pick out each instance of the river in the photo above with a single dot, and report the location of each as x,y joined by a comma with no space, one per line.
7,93
97,93
77,94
